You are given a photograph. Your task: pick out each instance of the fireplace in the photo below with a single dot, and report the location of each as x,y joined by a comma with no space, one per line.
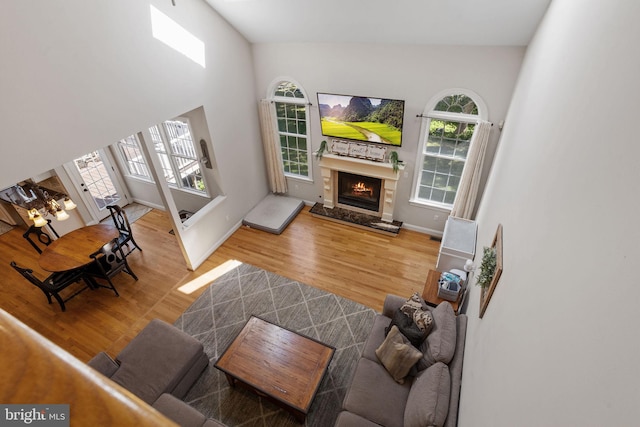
359,191
386,177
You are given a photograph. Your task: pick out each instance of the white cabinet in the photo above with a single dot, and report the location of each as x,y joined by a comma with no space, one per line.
458,244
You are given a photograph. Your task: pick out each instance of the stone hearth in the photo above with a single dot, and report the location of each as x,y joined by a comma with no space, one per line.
351,217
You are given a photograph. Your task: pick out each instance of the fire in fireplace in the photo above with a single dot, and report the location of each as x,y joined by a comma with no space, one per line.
359,191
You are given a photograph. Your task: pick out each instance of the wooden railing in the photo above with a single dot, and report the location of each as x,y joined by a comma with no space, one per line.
36,371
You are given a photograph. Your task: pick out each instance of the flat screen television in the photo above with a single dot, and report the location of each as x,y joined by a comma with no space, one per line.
361,118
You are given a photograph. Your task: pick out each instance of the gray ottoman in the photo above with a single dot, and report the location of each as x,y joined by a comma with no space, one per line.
160,359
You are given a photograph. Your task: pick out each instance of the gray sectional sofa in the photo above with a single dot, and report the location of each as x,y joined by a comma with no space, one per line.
159,366
429,395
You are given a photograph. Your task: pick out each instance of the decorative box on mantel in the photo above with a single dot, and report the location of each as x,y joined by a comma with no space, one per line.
331,165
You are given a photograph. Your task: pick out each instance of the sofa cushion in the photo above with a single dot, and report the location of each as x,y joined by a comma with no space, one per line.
349,419
178,411
440,344
374,395
376,336
397,354
408,328
428,401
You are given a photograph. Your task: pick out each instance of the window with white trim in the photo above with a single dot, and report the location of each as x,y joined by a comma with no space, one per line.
291,107
173,142
445,142
133,158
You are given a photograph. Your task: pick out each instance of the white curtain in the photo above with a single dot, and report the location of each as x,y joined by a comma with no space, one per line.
470,180
270,140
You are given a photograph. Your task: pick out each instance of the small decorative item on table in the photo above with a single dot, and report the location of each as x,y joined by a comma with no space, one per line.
450,285
430,292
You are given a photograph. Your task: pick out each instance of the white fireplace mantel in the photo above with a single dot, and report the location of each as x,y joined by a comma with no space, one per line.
330,164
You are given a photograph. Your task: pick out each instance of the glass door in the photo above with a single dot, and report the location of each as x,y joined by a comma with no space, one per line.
98,183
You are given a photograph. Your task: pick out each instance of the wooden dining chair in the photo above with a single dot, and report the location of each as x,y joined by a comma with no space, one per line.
56,282
109,260
121,222
34,233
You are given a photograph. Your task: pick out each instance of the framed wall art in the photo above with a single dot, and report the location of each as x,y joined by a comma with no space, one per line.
358,150
340,148
491,260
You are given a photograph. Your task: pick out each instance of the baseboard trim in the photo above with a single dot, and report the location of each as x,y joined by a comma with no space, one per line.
423,230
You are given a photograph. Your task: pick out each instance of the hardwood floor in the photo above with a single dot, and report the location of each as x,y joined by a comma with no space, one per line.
354,263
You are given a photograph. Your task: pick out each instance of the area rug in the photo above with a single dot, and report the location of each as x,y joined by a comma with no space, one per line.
134,212
219,314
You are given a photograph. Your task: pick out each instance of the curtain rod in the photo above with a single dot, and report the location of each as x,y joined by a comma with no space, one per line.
308,103
422,116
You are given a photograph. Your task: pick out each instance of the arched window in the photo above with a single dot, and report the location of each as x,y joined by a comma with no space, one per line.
291,110
450,120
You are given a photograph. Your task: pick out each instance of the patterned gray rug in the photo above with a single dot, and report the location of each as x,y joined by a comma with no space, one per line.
219,314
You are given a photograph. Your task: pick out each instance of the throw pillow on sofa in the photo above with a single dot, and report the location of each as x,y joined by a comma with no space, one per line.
408,328
414,309
440,344
412,304
423,320
428,401
397,354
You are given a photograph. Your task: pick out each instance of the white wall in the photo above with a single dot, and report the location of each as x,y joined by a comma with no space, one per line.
558,344
412,73
78,75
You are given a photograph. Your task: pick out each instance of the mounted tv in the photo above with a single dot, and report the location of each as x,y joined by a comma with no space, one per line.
360,118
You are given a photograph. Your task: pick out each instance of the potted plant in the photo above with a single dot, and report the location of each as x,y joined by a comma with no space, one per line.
321,150
487,267
393,159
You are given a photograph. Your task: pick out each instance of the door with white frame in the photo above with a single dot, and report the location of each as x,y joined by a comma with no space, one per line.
98,182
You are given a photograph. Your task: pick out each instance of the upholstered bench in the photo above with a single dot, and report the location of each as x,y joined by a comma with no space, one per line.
160,359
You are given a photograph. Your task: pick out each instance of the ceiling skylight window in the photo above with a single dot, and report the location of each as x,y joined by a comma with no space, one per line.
176,37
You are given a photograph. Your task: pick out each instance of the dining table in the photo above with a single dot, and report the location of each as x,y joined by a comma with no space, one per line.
73,249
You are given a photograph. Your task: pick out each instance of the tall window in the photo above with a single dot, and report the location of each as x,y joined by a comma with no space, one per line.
177,152
291,112
443,151
133,158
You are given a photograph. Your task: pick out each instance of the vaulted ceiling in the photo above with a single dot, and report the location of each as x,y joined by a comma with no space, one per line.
437,22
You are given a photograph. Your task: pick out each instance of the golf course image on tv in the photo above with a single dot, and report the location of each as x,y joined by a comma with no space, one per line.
361,118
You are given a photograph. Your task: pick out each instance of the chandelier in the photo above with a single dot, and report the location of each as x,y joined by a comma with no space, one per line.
42,204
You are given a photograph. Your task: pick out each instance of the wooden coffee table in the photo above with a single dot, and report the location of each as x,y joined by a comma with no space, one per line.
278,364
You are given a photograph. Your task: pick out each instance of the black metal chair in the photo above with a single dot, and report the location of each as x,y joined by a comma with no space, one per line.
56,282
121,222
109,260
41,236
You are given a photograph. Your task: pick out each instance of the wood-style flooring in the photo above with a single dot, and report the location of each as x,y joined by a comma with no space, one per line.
348,261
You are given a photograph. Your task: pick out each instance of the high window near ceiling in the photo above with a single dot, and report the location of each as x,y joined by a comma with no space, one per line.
292,110
444,144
